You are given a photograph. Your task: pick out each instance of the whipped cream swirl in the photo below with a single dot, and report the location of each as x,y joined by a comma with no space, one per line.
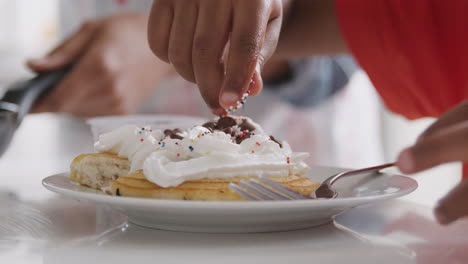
202,152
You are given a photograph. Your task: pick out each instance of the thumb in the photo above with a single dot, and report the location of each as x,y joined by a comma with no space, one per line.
67,52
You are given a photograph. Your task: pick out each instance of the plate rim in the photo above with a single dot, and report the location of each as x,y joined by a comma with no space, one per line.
241,205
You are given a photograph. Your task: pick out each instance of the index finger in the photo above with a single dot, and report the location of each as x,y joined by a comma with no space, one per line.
250,20
208,46
448,145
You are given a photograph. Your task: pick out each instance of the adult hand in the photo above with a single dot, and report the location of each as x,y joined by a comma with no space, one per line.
444,141
194,36
114,69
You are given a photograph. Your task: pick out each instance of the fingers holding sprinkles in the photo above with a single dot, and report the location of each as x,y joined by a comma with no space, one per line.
240,103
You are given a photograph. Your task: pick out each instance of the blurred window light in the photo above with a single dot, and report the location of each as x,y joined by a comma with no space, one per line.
28,29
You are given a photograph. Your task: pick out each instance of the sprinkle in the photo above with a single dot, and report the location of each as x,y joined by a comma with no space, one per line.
288,160
178,154
239,104
177,143
151,130
190,148
192,140
139,132
142,140
158,148
208,153
253,151
143,128
258,143
244,133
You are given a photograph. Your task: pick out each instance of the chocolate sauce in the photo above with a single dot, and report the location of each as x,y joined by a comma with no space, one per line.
276,141
246,125
225,122
175,136
229,131
210,126
243,137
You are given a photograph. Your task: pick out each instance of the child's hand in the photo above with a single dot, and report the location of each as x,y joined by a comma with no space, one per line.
445,141
192,35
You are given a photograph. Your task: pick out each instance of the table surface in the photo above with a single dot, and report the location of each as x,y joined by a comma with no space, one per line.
37,226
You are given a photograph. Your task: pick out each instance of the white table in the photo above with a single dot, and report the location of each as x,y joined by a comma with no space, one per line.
37,226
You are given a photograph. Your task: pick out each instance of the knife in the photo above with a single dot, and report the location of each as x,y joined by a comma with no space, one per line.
19,99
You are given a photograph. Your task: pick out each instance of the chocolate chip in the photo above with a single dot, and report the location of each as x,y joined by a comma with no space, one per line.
246,125
175,136
210,125
276,141
173,133
241,138
225,122
228,131
117,192
168,132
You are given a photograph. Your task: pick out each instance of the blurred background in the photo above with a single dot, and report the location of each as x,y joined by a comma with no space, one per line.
29,28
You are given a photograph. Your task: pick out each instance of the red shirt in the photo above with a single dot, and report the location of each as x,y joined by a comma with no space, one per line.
414,51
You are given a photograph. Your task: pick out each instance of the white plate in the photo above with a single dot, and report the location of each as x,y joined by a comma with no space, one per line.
244,217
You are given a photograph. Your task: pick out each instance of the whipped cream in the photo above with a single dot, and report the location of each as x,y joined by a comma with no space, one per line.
202,152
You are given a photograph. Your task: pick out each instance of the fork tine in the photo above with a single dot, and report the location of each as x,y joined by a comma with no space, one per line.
243,193
274,192
256,191
290,193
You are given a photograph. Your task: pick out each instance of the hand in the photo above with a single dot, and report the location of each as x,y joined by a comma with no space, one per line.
114,69
194,35
444,141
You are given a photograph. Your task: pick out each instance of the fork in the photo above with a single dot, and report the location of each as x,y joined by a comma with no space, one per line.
266,189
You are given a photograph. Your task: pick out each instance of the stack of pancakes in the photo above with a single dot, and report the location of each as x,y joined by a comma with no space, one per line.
111,174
